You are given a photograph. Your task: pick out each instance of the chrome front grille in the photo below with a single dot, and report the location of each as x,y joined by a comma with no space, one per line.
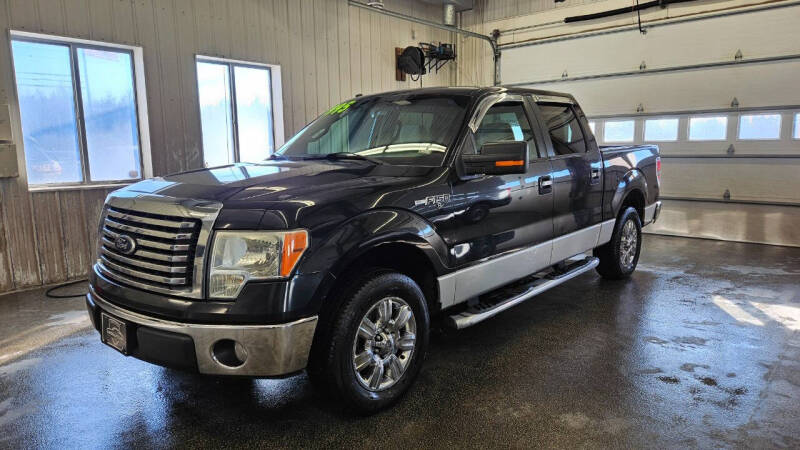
163,252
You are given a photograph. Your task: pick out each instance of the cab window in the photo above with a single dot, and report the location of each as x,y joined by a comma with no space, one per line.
505,121
565,132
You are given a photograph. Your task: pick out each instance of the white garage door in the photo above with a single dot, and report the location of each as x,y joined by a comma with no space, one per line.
728,127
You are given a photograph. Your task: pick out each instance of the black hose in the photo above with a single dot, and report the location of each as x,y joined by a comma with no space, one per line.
618,11
49,293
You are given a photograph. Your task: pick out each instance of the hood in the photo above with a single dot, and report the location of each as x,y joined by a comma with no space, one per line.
287,187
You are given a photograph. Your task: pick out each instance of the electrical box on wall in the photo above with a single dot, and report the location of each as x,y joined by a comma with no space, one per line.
8,160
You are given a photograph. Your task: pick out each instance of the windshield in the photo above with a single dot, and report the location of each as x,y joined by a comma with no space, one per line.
404,129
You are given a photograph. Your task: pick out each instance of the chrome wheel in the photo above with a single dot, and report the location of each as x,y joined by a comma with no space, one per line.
384,344
629,242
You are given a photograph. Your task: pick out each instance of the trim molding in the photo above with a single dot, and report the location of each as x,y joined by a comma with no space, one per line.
463,284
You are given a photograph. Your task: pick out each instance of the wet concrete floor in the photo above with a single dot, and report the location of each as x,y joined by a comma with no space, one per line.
700,348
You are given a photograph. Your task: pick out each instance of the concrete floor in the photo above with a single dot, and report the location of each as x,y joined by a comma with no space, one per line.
700,348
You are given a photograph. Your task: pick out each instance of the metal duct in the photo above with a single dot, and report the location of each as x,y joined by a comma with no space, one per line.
449,14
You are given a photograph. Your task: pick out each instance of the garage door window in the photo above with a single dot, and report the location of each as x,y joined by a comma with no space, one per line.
78,110
236,111
760,127
797,126
619,131
708,128
661,130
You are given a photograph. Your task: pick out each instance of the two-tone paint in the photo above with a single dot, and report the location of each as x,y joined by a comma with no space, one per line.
470,233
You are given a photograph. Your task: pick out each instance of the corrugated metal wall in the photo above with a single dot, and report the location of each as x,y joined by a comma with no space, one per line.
327,50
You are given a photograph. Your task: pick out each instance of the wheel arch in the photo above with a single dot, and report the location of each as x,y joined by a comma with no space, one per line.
397,240
631,191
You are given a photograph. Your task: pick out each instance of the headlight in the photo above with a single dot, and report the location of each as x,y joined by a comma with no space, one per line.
240,256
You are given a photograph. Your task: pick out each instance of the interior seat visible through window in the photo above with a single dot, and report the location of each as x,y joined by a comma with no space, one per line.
505,121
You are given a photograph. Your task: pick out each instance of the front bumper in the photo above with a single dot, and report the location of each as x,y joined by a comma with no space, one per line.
272,350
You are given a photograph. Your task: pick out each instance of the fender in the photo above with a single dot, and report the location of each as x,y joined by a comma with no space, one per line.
364,232
633,180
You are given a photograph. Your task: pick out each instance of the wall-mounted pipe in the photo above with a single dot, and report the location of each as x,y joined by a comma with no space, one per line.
492,40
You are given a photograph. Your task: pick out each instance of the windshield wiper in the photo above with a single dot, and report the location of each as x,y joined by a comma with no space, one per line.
276,157
345,155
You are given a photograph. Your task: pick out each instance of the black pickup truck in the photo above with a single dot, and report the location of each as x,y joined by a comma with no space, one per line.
388,211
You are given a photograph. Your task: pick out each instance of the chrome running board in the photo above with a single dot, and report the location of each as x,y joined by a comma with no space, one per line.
495,302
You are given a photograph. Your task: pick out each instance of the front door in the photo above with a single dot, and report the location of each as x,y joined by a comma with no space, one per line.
499,214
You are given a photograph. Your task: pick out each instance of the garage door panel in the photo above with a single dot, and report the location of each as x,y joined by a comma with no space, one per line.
773,180
758,85
687,43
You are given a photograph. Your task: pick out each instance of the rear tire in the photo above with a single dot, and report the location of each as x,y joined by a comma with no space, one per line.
372,350
618,257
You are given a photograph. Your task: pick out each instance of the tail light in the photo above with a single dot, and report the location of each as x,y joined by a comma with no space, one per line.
658,169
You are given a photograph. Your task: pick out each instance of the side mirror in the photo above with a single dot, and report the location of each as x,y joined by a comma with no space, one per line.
498,158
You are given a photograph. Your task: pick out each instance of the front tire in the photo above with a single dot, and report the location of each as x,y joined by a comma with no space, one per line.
619,257
376,343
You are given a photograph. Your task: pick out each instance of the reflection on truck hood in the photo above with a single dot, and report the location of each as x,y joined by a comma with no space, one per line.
287,185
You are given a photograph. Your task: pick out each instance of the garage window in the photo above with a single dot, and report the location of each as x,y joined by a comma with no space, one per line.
708,128
760,127
619,131
661,130
236,111
78,107
797,126
593,126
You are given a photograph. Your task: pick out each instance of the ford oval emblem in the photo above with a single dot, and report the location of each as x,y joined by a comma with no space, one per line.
125,244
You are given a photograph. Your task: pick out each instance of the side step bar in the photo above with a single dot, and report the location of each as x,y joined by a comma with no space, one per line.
498,301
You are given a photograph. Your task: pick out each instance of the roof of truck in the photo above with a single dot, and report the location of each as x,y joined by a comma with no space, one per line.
475,91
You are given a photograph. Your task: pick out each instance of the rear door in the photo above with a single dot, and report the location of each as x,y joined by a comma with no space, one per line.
577,176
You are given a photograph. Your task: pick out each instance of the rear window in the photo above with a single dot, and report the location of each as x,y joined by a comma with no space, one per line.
565,131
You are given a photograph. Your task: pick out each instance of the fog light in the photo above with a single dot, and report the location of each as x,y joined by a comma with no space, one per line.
229,353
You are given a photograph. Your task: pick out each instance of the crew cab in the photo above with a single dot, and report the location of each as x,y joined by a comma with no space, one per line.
385,213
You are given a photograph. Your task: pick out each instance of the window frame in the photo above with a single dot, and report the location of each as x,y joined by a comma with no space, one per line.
633,134
140,103
677,128
759,113
276,99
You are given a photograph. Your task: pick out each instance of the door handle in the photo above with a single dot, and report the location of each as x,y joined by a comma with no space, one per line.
595,174
545,184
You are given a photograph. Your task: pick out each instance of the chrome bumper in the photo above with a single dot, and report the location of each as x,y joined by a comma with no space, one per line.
272,350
